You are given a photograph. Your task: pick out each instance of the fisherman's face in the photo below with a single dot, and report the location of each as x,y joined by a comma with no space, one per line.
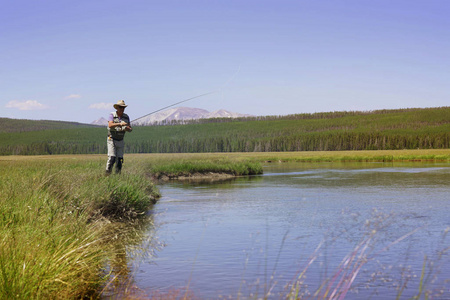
120,110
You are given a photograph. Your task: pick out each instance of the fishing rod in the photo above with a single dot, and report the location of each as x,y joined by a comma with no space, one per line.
153,112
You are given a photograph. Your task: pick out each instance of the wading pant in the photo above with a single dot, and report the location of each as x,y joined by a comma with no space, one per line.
115,153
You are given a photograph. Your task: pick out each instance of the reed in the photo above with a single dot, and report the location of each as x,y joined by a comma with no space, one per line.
380,233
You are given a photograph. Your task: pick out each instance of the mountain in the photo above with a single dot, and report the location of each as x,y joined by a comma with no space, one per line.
221,113
102,121
185,113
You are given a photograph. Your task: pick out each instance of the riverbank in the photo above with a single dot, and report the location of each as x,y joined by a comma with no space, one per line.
65,210
58,219
62,221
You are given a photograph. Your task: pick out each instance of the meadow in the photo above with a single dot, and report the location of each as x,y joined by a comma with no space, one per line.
60,213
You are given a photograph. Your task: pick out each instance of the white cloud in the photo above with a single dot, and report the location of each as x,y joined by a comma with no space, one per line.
101,105
73,96
26,105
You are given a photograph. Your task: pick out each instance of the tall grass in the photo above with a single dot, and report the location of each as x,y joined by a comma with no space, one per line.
61,221
189,167
56,224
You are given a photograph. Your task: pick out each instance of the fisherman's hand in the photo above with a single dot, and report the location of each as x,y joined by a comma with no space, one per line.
128,128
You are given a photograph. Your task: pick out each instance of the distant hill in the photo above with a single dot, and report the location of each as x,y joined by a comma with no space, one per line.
183,114
23,125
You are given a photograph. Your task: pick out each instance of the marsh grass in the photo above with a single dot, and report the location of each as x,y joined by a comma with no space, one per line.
62,222
57,223
437,155
189,167
47,248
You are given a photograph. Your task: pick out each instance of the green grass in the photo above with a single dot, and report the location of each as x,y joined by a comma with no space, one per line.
60,214
189,167
350,156
57,220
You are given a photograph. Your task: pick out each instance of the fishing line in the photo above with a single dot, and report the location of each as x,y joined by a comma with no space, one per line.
231,78
228,81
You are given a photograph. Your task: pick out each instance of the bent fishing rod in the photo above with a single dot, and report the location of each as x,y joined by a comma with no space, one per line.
153,112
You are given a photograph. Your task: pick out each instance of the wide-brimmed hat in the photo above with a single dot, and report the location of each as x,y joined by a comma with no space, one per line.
120,103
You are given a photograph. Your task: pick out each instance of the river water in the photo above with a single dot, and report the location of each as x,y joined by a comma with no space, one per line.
251,237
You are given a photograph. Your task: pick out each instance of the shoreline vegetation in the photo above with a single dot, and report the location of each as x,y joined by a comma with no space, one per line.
60,216
58,220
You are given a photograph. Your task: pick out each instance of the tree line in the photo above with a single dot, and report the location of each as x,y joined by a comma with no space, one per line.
380,130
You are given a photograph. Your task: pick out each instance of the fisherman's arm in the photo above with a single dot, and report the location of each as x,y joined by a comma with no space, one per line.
111,124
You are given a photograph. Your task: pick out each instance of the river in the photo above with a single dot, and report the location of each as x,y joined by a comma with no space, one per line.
254,236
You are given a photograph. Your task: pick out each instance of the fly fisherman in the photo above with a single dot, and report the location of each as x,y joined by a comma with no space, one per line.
118,124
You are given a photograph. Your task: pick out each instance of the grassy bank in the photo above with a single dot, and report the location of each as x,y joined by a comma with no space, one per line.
186,168
57,220
60,216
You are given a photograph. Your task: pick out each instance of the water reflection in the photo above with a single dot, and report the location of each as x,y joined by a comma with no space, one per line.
229,182
132,242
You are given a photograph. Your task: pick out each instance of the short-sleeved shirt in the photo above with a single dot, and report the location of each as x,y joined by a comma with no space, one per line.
111,117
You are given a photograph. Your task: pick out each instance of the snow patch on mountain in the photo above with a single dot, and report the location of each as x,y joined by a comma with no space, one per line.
101,122
185,113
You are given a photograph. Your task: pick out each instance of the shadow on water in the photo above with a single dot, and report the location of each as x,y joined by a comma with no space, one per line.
228,182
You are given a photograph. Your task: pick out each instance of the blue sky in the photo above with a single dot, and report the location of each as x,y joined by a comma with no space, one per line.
71,60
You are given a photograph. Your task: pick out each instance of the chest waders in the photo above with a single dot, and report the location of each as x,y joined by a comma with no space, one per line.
116,144
110,163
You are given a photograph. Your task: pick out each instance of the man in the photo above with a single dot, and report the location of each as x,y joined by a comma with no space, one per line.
118,124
